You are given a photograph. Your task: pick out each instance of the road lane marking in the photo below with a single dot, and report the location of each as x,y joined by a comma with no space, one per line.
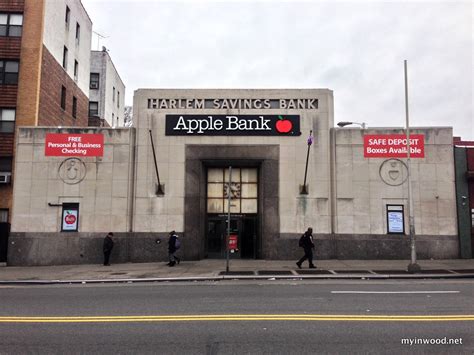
240,317
394,292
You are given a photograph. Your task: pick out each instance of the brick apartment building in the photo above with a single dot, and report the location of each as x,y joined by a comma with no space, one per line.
44,77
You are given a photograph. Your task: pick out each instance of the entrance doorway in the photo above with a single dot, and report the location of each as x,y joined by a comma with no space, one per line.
243,191
244,226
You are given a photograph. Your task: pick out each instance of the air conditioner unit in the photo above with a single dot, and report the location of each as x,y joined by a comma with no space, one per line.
5,178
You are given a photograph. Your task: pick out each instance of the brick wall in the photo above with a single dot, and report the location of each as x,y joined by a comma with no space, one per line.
12,5
53,77
8,94
10,47
6,144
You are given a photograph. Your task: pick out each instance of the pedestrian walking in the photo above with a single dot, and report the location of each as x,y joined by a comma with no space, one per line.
108,246
306,242
173,245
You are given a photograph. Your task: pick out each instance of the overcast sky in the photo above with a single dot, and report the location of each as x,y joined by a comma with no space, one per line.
355,48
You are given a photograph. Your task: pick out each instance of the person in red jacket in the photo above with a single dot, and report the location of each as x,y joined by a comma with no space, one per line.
306,242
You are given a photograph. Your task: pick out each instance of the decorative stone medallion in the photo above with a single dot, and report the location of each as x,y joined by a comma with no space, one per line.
72,171
393,172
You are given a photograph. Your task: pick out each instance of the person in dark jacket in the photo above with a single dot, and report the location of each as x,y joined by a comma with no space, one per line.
108,246
307,244
172,247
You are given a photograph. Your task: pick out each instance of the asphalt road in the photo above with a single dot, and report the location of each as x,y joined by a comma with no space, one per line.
236,317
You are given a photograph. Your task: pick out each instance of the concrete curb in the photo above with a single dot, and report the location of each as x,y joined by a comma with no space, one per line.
241,277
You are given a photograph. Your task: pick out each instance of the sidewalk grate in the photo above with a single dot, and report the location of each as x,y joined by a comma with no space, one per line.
392,272
352,271
237,273
464,271
274,272
314,272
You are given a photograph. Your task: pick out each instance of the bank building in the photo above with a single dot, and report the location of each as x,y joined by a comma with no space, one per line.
171,172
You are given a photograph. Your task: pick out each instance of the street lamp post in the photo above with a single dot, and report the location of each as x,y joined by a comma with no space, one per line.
413,267
363,125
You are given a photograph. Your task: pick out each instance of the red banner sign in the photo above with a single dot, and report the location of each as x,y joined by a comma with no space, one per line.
393,146
73,145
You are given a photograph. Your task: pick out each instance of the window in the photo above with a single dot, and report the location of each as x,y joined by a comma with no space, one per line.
76,70
9,72
4,215
113,95
68,16
6,164
93,108
243,190
7,120
78,33
94,82
65,57
63,98
118,99
11,25
5,170
74,106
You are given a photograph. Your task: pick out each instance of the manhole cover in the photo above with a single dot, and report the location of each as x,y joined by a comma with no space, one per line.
274,272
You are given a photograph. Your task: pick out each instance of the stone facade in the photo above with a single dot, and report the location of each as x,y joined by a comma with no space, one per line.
104,197
346,203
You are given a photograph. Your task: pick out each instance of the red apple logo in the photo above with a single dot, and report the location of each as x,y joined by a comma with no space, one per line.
70,219
283,126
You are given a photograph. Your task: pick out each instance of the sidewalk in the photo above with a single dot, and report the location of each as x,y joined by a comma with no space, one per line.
239,269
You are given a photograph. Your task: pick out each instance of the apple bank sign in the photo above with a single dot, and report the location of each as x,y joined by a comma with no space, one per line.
233,125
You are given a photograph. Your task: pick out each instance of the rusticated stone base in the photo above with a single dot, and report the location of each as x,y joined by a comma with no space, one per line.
86,248
370,247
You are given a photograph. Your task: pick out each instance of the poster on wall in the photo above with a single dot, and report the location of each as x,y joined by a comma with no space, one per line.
70,218
74,145
395,219
393,146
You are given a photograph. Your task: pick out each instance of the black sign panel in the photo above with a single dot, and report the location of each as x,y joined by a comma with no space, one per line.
233,125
